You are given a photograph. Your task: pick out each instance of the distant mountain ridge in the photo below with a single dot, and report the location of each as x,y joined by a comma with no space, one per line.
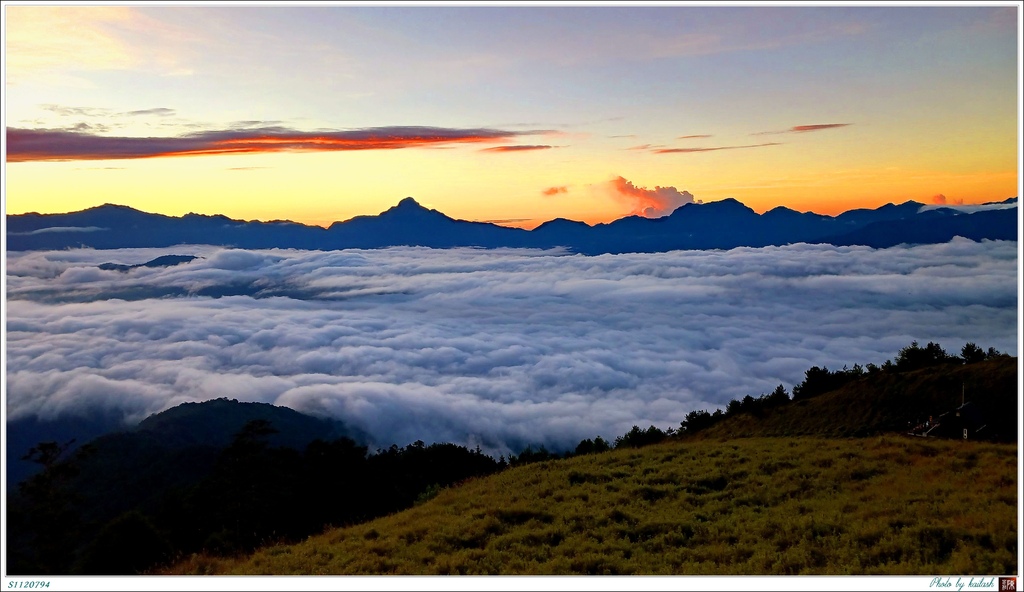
162,261
722,224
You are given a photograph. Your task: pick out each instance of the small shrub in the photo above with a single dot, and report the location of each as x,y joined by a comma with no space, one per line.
519,516
578,477
653,494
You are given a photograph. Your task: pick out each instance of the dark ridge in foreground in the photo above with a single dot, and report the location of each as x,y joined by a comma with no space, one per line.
715,225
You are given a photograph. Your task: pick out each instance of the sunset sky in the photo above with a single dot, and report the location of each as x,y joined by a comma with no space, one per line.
512,114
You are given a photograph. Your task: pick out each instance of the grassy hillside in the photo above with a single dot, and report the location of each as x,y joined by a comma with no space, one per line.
789,505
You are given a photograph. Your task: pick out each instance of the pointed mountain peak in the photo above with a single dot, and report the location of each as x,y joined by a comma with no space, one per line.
408,204
407,207
408,210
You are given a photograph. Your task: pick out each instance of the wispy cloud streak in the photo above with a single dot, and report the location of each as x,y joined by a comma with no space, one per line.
800,129
59,229
25,145
712,149
68,111
518,148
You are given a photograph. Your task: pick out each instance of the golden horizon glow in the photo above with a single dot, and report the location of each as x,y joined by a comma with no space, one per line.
103,103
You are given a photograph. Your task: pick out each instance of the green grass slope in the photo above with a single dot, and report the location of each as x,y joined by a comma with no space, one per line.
787,505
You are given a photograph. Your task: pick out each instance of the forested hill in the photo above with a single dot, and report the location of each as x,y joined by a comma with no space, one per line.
870,403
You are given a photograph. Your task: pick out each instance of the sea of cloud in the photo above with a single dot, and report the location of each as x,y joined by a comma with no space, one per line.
496,348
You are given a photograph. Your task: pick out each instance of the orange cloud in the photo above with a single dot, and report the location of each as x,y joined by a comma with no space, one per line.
25,145
694,136
943,200
650,203
555,190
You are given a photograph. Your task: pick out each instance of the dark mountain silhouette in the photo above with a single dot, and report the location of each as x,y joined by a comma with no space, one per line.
24,433
213,423
209,424
716,225
219,476
936,226
179,445
162,261
409,223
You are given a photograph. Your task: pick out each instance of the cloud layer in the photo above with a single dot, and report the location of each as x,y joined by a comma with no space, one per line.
497,348
25,145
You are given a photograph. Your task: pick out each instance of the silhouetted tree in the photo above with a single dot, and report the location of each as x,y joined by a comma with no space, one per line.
776,398
589,446
915,357
697,420
330,470
529,455
129,544
749,405
251,496
636,437
972,354
817,381
44,522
